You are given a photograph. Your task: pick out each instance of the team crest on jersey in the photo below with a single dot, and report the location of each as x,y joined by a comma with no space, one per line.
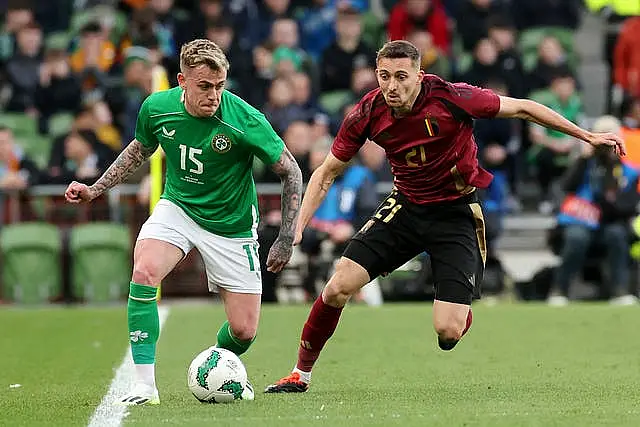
431,124
221,143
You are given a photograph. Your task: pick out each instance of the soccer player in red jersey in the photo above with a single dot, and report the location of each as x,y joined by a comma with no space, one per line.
425,125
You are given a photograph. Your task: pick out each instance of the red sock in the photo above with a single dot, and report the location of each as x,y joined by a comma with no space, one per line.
321,323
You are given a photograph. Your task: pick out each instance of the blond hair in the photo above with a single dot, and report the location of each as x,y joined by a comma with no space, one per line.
202,51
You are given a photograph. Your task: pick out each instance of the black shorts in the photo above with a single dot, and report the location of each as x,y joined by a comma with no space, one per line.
452,233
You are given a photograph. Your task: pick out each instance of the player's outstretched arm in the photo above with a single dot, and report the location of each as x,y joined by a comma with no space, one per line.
291,176
538,113
317,189
127,162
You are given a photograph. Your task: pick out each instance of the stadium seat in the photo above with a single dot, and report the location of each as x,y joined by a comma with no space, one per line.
58,40
333,101
37,147
60,124
31,262
101,261
21,124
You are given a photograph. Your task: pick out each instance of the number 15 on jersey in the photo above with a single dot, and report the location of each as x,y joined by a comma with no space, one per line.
195,165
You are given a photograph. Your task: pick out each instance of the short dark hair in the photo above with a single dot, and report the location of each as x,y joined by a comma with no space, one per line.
399,49
91,27
562,72
500,22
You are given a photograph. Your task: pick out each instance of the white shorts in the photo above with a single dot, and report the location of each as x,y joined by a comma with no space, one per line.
231,263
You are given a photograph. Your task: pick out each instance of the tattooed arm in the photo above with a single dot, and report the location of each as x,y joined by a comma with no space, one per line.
127,162
291,176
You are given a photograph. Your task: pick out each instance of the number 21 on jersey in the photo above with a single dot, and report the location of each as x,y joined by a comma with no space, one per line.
190,153
388,210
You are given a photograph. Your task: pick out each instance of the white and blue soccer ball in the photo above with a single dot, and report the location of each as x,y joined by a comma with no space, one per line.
218,376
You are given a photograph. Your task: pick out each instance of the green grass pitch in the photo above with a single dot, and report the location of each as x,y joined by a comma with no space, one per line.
520,365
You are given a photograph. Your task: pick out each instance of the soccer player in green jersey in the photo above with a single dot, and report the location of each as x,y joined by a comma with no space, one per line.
210,137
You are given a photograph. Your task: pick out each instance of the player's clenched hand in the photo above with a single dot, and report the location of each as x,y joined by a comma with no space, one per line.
79,193
279,254
609,139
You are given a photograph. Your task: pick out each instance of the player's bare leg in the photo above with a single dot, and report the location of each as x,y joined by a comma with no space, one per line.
451,321
239,331
152,261
323,319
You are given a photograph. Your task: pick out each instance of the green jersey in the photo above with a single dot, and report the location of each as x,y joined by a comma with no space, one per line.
209,159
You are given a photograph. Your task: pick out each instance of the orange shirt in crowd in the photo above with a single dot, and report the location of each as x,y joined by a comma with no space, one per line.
626,57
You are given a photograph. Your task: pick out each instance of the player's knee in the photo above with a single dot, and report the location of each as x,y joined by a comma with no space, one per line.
341,286
244,331
146,273
449,328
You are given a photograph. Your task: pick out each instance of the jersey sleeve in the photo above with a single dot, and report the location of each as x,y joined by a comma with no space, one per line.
477,102
263,140
144,133
352,133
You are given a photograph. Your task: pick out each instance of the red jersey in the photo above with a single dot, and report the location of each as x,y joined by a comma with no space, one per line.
432,151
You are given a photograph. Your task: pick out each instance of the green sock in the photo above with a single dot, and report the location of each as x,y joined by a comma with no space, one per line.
144,324
228,341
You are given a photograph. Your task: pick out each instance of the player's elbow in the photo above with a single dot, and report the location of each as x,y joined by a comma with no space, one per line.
515,108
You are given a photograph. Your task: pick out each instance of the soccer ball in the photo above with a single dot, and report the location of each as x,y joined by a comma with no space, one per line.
218,376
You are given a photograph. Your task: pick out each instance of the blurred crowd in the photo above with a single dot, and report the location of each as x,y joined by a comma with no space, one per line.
73,74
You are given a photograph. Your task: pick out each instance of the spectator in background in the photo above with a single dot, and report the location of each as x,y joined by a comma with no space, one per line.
83,159
286,61
298,139
23,69
346,207
280,109
594,218
551,150
138,84
473,19
59,90
433,61
546,13
408,15
347,53
509,64
164,27
269,11
303,95
317,30
626,58
321,129
261,76
18,15
551,58
223,34
630,112
363,80
17,171
159,75
498,147
93,58
287,55
97,118
485,64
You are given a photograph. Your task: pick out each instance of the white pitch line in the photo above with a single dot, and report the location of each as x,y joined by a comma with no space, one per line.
107,414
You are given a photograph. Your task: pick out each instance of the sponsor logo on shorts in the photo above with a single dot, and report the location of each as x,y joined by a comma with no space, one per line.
221,143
